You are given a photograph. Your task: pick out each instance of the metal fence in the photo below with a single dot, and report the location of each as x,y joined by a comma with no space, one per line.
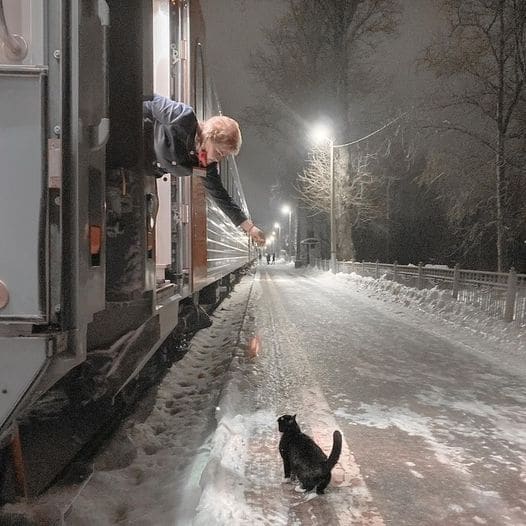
502,295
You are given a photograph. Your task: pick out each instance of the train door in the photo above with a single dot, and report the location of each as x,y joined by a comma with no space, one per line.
25,299
24,255
180,64
162,86
171,28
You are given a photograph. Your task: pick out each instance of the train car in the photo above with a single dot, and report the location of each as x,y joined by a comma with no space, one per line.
100,260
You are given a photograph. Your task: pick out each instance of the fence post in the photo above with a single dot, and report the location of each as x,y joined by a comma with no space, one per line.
377,270
395,271
456,281
510,295
420,275
363,268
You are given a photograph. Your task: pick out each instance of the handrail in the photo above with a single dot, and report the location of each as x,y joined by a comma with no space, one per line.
16,44
22,69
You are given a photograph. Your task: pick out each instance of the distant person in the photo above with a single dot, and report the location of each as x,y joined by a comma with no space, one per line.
260,255
273,258
268,258
181,143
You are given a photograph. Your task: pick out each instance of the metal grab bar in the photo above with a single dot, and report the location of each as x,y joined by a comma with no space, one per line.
16,44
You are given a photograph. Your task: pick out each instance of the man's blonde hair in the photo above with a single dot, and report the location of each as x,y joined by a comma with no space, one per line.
224,132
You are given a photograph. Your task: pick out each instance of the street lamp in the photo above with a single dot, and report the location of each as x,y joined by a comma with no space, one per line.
319,134
286,209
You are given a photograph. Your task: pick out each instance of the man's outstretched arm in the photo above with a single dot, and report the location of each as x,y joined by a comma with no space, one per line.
224,200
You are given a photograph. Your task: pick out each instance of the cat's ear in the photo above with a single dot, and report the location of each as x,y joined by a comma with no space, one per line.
294,418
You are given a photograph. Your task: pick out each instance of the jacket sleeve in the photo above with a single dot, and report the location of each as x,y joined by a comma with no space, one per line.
174,131
215,188
163,110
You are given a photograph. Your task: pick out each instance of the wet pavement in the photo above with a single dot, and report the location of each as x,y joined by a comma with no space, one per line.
433,435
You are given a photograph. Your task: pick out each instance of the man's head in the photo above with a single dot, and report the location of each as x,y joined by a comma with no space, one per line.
220,136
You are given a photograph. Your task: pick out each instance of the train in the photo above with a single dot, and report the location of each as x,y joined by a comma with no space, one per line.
102,259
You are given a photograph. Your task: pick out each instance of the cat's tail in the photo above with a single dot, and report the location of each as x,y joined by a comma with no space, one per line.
336,450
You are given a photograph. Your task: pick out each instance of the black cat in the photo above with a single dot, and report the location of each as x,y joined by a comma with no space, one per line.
303,458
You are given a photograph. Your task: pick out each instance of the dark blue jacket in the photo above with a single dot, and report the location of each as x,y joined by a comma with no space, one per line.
174,134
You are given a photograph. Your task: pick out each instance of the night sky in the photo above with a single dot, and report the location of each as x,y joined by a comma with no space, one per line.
234,30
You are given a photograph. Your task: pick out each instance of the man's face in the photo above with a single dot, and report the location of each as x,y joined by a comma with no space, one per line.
213,152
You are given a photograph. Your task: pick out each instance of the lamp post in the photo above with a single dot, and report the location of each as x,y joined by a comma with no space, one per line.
333,205
286,209
278,228
320,133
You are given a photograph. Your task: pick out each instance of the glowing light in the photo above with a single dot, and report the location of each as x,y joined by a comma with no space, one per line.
320,133
254,347
285,209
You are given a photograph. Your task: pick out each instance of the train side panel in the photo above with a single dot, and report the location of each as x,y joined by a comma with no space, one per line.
82,305
25,256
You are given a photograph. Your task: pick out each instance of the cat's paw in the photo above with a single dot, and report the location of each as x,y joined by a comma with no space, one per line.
299,489
310,496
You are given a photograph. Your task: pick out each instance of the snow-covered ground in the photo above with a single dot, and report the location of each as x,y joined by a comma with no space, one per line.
430,398
489,336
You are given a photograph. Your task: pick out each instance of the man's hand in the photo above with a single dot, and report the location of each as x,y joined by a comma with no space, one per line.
254,232
257,235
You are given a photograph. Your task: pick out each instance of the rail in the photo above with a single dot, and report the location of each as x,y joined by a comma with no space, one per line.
500,294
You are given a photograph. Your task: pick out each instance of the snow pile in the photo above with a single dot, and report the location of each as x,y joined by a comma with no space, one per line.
222,500
441,304
224,479
222,494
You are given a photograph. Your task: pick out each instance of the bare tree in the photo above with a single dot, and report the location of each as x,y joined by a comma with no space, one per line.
482,59
310,57
312,65
357,190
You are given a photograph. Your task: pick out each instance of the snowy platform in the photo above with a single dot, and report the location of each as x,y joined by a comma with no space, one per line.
432,409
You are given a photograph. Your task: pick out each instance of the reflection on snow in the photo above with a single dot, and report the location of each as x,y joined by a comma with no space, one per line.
414,424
